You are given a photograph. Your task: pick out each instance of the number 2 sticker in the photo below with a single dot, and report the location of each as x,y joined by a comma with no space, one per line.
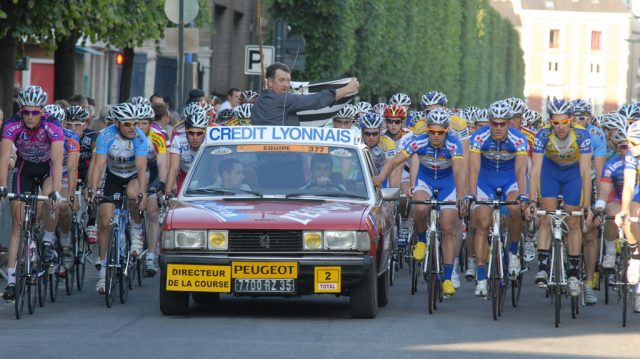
327,280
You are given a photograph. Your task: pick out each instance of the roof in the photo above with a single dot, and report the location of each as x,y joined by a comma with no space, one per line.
576,5
505,8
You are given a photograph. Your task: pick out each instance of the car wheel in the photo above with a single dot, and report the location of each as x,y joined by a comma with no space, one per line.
172,303
205,298
383,289
364,296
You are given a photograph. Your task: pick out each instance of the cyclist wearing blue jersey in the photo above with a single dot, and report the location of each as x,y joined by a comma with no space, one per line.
440,168
122,148
498,159
582,116
562,152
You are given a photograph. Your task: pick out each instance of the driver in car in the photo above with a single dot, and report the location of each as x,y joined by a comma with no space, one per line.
232,174
321,170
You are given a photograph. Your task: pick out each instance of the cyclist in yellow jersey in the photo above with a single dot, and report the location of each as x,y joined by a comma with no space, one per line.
157,173
380,146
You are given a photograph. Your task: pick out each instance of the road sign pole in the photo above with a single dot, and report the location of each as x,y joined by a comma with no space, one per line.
180,56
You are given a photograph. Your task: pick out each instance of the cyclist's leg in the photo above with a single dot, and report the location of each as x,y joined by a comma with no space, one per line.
152,230
449,227
420,223
632,233
610,235
515,230
572,191
64,224
137,240
549,190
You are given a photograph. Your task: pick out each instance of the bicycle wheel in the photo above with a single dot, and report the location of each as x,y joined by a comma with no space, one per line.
141,269
111,275
624,287
125,282
42,287
70,273
557,267
607,283
516,285
21,276
415,272
82,250
33,283
431,277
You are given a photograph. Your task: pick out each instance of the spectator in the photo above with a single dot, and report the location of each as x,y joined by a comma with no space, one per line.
63,103
161,115
79,100
157,99
1,118
91,101
278,107
233,99
215,102
101,122
92,113
195,95
167,101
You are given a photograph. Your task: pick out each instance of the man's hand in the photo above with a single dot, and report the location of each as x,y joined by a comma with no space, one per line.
142,201
377,181
530,213
621,218
352,86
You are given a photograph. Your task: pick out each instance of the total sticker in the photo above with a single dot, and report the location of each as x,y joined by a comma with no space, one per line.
327,280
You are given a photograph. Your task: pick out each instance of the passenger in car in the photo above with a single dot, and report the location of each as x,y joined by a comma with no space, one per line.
231,174
321,174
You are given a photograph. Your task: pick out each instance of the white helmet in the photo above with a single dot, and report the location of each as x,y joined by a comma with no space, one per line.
32,96
139,100
370,120
144,111
559,106
613,121
363,107
517,105
244,111
124,112
197,118
379,108
76,114
433,98
500,110
482,115
633,132
55,111
400,99
439,116
190,108
347,111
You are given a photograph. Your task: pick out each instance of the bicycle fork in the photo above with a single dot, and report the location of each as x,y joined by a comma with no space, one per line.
558,276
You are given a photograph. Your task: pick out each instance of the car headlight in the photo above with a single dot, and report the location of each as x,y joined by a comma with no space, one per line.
218,240
340,240
363,241
312,240
190,240
168,240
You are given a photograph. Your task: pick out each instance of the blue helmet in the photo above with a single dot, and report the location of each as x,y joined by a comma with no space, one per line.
433,98
559,106
581,107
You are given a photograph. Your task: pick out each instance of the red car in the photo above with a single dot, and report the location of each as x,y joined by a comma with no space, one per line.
279,211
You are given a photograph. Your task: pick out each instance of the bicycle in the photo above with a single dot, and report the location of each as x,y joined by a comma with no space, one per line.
432,267
605,273
557,283
81,249
29,270
620,281
119,262
498,237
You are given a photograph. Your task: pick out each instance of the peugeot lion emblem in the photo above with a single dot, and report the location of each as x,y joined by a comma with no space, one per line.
264,240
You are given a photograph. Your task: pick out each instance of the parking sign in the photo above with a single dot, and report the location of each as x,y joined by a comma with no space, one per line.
252,58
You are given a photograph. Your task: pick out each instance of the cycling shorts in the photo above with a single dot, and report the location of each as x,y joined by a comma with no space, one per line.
26,173
489,181
114,184
614,196
446,187
566,182
154,180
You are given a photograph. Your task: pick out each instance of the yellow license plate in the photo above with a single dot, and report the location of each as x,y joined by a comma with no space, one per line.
327,280
269,270
198,278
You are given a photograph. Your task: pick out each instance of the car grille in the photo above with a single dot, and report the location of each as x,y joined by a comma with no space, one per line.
265,241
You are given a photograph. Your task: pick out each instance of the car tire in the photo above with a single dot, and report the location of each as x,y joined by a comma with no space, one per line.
383,289
364,296
205,298
172,303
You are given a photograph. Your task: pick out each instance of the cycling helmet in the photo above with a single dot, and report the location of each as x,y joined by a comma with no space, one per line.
139,100
414,117
55,111
363,107
633,132
370,120
559,106
32,96
500,110
190,108
482,115
77,114
249,96
517,105
244,111
613,121
226,115
196,119
379,108
209,110
581,106
145,112
400,99
619,137
470,114
347,111
630,111
439,116
124,112
433,98
395,111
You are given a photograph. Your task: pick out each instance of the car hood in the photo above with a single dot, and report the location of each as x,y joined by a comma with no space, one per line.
267,214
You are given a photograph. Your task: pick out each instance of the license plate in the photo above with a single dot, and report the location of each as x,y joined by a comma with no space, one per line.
264,285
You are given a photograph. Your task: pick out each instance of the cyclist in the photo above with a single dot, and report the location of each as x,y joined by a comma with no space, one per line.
184,148
498,159
582,116
121,148
630,111
224,117
243,114
400,99
39,142
518,121
55,111
440,168
157,172
611,124
380,146
344,118
471,116
482,118
562,152
362,108
248,96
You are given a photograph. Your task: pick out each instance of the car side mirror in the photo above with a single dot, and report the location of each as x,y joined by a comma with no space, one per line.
390,194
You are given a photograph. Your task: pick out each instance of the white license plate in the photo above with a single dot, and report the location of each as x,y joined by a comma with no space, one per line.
264,286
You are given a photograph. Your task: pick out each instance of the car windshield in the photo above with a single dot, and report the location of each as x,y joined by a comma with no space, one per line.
292,171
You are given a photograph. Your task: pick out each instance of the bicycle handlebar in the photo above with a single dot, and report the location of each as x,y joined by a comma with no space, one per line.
562,212
25,197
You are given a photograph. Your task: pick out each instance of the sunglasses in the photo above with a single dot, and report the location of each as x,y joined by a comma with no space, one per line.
74,124
343,122
623,147
195,133
564,122
394,122
499,124
582,118
437,132
32,112
371,134
129,123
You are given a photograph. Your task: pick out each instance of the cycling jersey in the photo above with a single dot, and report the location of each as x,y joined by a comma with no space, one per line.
385,148
121,152
530,135
87,145
157,144
613,172
598,140
34,145
562,154
435,162
180,146
71,145
155,127
497,155
458,128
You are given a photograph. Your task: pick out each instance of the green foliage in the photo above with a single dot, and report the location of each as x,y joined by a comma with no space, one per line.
461,47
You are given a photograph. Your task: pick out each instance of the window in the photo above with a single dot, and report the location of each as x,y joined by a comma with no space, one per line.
595,68
554,39
595,40
553,66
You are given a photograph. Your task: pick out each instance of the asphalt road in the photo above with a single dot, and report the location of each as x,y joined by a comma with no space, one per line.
80,326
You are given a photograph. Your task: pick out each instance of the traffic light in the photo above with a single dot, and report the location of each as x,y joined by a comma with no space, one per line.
119,58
